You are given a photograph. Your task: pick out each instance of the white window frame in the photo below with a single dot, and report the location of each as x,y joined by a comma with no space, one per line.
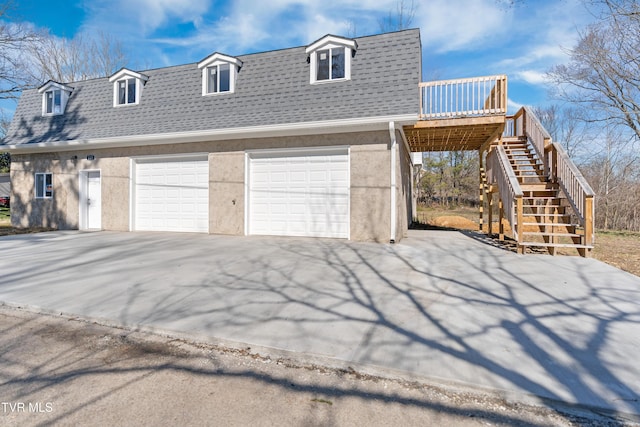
127,82
53,93
215,61
44,194
330,43
126,76
51,88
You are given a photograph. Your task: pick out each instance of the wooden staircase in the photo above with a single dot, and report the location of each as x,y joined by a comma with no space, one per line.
546,220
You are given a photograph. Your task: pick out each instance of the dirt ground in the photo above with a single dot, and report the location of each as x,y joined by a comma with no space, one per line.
619,249
66,371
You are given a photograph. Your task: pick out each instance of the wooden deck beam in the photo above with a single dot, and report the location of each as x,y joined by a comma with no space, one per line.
470,133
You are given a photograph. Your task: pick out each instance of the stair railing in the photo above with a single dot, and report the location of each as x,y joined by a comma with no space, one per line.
500,173
578,191
538,135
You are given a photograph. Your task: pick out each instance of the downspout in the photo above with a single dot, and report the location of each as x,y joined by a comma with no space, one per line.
394,213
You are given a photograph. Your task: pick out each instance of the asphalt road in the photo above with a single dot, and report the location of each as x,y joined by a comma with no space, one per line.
69,371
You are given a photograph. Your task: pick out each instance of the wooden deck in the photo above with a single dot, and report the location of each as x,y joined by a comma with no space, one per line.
538,188
454,134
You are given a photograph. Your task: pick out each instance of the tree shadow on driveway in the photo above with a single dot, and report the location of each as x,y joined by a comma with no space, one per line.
437,305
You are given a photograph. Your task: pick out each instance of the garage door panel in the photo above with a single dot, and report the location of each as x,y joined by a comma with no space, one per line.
172,195
299,194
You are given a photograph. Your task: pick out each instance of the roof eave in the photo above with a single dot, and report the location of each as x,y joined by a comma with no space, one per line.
280,130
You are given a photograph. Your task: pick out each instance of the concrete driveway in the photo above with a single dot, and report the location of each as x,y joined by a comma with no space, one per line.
440,304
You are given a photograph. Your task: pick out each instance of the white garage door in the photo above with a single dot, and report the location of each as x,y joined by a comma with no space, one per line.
299,194
172,194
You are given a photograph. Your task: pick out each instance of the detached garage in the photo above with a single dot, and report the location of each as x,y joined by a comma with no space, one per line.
171,194
298,192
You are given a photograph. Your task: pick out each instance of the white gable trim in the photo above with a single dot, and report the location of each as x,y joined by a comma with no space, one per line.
123,73
218,58
51,84
334,40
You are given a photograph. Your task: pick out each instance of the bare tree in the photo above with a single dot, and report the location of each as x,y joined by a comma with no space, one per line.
567,126
604,69
14,40
399,18
80,58
614,173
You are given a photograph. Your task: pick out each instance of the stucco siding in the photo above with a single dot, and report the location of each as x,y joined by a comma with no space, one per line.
226,193
371,191
403,189
369,182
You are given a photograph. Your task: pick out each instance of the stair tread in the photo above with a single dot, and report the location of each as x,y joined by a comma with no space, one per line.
540,197
554,224
557,245
544,233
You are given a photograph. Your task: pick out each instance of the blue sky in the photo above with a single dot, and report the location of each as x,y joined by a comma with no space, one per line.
460,38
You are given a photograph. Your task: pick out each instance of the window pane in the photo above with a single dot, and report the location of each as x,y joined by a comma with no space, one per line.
337,63
212,79
48,185
131,91
49,102
322,59
225,78
122,92
57,102
39,185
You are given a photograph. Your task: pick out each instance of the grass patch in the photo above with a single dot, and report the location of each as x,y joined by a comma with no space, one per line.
5,215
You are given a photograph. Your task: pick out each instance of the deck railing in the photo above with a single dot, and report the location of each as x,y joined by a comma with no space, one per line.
476,96
500,173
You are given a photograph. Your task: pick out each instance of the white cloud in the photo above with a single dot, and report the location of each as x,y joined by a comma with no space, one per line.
532,77
143,17
465,26
513,106
250,25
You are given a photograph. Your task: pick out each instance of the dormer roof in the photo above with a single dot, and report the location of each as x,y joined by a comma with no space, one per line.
125,72
55,85
331,39
219,57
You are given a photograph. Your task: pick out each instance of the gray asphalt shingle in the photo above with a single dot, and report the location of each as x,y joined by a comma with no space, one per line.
272,88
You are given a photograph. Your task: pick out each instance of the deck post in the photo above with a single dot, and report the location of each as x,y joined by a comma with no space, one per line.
481,191
519,227
500,223
490,219
588,226
553,239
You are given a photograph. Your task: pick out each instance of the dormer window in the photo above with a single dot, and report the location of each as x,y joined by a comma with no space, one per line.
53,101
54,98
219,74
330,59
127,91
127,87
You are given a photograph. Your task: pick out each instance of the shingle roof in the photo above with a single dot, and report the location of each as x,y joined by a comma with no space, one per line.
272,88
